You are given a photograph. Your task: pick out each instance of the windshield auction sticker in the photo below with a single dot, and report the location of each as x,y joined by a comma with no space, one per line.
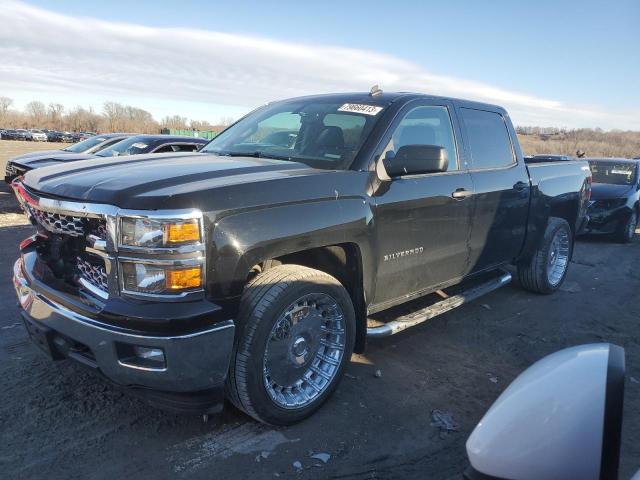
360,108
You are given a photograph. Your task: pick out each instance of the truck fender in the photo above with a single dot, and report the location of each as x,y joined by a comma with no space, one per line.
245,239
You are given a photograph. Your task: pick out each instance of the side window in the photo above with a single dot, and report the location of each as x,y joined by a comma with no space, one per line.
190,147
164,149
426,125
488,139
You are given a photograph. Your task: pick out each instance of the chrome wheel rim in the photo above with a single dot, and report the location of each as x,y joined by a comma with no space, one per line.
558,257
304,351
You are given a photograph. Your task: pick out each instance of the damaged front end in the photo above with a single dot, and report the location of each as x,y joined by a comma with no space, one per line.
78,302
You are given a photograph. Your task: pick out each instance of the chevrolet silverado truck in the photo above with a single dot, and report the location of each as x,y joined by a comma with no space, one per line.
251,270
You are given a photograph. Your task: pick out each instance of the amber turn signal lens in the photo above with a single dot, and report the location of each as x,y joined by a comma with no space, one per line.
183,232
183,278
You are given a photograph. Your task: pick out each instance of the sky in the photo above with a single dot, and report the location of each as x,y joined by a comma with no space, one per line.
550,63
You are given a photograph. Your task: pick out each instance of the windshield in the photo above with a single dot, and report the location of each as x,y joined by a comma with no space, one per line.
84,145
322,134
613,173
129,146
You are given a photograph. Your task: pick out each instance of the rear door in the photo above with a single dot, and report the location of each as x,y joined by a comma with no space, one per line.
422,221
501,187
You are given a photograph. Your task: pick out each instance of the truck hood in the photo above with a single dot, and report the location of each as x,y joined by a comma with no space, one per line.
43,159
157,181
607,191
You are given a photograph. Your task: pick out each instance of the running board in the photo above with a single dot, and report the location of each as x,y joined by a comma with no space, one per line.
438,308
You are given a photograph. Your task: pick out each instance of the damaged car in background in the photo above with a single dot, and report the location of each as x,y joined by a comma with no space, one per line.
254,268
17,166
110,145
615,198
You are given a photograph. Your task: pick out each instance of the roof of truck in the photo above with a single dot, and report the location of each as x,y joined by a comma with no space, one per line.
387,98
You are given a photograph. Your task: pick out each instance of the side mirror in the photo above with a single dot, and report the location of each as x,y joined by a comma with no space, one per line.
416,159
561,418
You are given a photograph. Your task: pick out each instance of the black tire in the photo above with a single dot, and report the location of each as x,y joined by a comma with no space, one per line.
627,229
534,275
264,299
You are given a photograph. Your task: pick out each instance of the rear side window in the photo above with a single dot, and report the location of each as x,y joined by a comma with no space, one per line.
488,139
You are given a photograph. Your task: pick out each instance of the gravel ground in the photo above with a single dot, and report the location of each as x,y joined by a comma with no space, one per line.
60,422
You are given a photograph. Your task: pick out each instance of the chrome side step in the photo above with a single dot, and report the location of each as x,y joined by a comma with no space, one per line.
438,308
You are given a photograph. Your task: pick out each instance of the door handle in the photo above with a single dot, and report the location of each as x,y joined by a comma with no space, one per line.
461,194
520,186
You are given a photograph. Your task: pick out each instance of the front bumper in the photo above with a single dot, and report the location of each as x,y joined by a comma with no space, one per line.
195,362
606,221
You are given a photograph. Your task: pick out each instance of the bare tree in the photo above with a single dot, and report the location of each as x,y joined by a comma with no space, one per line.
114,114
37,113
5,104
202,125
226,121
175,122
55,116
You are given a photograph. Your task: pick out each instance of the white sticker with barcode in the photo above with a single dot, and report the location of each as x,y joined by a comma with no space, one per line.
360,108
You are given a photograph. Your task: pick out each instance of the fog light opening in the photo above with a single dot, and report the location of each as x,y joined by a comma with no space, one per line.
142,357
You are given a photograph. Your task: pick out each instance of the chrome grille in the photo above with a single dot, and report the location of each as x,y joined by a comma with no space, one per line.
58,223
96,275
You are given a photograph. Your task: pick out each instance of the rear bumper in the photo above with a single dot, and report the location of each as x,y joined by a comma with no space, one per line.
195,363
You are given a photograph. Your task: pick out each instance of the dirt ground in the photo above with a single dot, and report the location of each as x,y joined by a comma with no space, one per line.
60,422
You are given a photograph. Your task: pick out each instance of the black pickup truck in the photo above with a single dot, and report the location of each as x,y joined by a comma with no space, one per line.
250,269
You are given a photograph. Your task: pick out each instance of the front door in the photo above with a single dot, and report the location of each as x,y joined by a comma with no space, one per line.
422,221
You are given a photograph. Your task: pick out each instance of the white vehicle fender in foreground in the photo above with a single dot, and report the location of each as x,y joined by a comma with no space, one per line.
560,419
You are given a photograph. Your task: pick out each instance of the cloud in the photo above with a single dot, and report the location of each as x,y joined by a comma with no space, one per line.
48,54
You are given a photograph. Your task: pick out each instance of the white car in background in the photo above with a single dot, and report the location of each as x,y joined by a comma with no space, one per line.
37,135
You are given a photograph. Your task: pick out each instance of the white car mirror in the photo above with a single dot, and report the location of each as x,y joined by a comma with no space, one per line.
559,419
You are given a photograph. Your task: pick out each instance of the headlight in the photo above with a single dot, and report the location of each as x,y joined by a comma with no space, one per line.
159,279
154,233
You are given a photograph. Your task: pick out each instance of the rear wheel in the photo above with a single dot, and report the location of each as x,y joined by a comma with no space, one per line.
627,230
546,270
295,335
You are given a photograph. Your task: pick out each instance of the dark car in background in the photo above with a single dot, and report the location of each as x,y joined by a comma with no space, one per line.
56,136
9,134
22,134
615,195
17,166
154,144
127,145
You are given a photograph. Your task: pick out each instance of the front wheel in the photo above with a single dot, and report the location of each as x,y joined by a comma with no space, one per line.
547,269
627,229
294,337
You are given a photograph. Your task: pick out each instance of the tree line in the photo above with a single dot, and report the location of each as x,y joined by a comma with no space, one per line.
593,142
114,117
